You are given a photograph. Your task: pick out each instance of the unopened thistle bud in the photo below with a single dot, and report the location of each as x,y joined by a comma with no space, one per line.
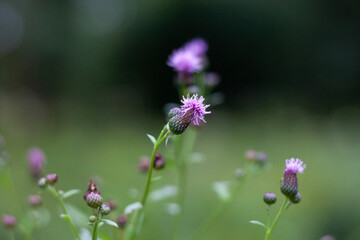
289,184
36,160
9,221
261,158
173,112
34,200
121,221
269,198
92,196
51,178
296,198
159,161
92,218
94,200
144,165
104,209
112,204
191,111
42,183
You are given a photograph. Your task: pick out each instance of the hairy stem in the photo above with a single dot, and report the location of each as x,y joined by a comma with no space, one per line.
63,207
281,210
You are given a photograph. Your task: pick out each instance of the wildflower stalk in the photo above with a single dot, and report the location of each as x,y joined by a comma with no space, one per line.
135,224
11,234
224,206
63,207
95,229
281,210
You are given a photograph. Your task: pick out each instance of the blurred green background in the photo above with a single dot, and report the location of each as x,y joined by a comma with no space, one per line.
85,81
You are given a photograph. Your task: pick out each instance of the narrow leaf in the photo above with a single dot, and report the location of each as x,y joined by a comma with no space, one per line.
132,207
152,139
109,222
70,193
258,223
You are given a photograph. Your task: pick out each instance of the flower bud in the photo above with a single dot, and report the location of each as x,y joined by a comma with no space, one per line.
104,209
179,123
269,198
250,155
42,183
34,200
296,198
51,178
36,160
173,112
261,158
159,161
144,165
9,221
91,188
94,200
92,218
289,185
112,204
121,221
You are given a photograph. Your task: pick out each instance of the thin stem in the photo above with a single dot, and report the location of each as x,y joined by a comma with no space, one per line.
132,226
63,207
281,210
267,217
94,235
11,234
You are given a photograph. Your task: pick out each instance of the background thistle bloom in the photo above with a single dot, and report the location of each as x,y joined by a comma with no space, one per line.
289,185
9,221
184,61
51,178
159,161
34,200
198,46
192,111
36,159
296,198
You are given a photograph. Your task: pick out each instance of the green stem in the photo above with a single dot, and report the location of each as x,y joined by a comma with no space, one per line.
132,228
63,207
267,217
281,210
224,206
11,234
94,235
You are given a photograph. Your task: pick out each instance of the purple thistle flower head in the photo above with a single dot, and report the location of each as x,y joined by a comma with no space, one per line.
9,221
295,165
192,111
198,46
36,159
185,62
289,185
269,198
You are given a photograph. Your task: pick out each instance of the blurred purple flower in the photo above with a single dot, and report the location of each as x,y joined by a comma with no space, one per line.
198,46
36,159
9,221
185,62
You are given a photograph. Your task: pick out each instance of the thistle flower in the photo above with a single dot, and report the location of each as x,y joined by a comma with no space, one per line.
51,178
159,161
112,204
92,188
9,221
269,198
34,200
36,159
185,62
144,165
173,112
197,46
94,200
105,209
121,221
192,111
289,185
296,198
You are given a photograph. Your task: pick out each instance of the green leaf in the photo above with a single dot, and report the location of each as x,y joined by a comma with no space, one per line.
109,222
85,234
103,236
65,217
152,139
78,216
258,223
70,193
157,178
